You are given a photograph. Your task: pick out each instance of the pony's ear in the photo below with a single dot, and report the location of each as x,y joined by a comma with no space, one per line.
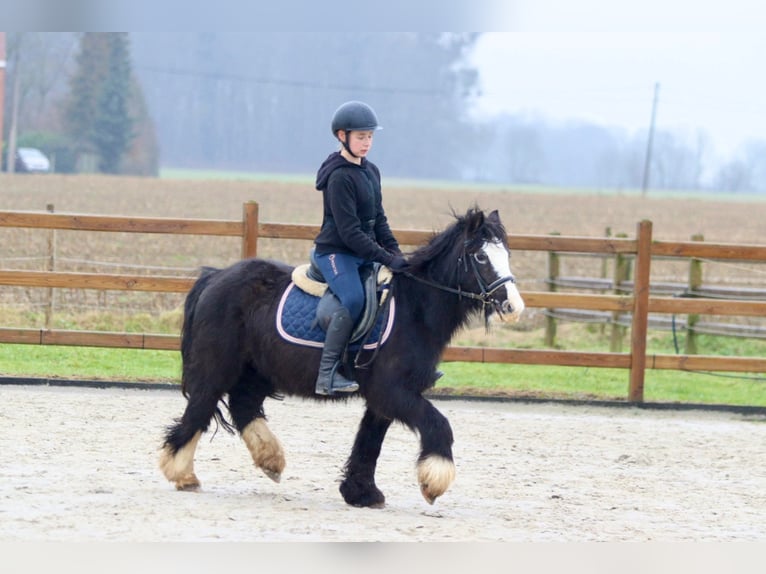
474,220
494,217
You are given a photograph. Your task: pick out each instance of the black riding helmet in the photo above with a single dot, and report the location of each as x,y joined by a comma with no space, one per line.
354,116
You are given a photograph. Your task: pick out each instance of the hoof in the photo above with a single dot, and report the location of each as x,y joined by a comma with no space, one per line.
430,498
435,475
362,494
273,475
189,483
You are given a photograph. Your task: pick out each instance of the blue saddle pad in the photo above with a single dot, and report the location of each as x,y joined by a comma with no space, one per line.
296,321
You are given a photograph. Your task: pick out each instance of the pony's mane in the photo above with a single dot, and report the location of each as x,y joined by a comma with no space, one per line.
466,233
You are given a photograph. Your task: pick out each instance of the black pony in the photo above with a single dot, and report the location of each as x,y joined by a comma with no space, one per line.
230,346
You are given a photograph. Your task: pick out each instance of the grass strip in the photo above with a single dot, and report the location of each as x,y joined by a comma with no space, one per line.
534,381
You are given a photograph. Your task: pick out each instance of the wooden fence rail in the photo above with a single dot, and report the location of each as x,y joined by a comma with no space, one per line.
639,303
693,288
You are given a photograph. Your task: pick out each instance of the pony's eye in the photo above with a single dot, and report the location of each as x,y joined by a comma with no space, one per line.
480,257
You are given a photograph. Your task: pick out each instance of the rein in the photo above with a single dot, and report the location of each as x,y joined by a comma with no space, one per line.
486,290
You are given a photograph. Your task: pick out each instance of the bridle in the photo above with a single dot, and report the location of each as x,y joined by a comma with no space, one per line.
484,296
486,291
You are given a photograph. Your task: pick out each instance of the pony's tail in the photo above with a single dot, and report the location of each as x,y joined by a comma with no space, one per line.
190,305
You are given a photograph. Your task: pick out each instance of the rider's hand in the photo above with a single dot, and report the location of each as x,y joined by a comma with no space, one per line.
398,264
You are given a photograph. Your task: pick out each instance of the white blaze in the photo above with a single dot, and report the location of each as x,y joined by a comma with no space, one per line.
499,258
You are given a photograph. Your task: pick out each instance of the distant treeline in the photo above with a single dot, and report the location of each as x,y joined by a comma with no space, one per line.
263,102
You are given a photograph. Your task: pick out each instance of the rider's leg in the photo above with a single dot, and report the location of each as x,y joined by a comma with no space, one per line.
341,271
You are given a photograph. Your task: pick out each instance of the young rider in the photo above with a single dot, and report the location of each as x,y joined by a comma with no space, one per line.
354,232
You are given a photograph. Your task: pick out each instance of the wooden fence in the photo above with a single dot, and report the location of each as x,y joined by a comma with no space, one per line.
619,281
638,304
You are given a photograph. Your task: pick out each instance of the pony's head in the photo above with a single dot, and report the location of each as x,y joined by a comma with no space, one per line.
487,255
471,258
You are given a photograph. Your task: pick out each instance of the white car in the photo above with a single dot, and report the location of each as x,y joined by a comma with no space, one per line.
31,160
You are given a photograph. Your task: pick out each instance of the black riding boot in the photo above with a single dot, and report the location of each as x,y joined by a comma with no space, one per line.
329,380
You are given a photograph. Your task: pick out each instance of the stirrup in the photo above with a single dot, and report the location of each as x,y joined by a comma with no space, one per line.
340,384
344,387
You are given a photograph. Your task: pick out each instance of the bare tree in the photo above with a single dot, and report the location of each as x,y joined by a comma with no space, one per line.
40,61
755,158
735,176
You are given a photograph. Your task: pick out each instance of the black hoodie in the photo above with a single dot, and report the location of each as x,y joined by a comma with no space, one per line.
354,221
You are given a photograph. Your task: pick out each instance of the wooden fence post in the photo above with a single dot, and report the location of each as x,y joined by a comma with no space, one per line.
605,273
695,281
50,266
249,229
554,267
621,274
638,332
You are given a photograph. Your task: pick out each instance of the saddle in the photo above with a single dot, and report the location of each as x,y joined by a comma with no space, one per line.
376,279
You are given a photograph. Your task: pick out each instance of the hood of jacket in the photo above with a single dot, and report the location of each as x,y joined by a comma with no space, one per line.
329,165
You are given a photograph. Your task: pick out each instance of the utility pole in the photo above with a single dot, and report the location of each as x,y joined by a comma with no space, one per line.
2,90
10,154
648,159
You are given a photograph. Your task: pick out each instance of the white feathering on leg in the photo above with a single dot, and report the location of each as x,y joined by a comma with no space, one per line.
265,448
179,468
435,475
